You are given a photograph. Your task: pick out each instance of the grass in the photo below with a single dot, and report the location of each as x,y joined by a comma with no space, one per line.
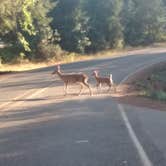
159,95
145,88
72,57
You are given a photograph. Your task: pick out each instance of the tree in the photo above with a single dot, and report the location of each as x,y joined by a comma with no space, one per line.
80,29
45,38
115,28
105,22
36,28
147,22
25,24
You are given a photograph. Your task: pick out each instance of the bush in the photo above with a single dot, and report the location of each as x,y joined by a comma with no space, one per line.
10,54
159,95
47,52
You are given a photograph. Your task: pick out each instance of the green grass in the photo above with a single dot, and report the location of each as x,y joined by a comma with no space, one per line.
159,95
148,91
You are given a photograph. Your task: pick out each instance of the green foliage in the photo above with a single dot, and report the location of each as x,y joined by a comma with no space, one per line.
80,30
26,20
48,52
10,54
159,95
23,42
115,28
106,30
25,23
39,28
151,89
146,23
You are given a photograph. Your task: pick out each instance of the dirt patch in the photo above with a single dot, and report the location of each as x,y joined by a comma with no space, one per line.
7,74
132,90
3,74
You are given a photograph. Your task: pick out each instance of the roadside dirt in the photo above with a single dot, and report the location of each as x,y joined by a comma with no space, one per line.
129,93
3,74
6,74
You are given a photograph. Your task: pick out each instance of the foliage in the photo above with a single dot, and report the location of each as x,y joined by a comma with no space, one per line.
10,54
47,52
159,95
40,28
155,88
80,29
25,23
146,23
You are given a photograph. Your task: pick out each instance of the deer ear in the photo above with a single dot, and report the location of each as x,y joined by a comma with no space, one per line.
58,67
96,71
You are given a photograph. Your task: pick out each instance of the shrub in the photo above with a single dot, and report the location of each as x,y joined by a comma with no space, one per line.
9,54
47,52
159,95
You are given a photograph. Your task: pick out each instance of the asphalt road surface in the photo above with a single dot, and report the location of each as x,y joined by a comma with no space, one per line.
39,126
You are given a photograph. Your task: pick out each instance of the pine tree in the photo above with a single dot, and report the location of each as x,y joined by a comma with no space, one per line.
115,28
80,29
105,22
147,24
63,22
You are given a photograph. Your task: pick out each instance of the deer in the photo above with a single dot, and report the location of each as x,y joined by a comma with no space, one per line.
103,80
72,78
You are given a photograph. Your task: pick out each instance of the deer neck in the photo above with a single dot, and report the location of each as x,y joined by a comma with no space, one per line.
96,76
60,74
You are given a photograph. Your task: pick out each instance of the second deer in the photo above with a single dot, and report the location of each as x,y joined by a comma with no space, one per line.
73,78
104,80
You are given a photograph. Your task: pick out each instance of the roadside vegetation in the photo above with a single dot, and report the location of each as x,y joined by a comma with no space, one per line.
45,31
153,85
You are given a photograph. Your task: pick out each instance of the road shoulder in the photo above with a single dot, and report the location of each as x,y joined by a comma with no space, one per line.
130,93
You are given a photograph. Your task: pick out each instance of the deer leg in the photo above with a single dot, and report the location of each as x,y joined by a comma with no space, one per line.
87,85
114,88
109,88
98,85
80,89
65,88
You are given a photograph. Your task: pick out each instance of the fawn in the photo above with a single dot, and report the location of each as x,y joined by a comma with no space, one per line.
103,80
73,78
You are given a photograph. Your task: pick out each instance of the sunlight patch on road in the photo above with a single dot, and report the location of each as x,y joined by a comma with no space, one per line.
16,123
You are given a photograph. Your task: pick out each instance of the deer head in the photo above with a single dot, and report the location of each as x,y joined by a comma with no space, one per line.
57,69
95,73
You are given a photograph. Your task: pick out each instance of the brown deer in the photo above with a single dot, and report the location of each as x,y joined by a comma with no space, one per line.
72,78
103,80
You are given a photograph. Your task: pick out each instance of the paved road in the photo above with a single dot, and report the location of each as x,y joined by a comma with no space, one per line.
41,127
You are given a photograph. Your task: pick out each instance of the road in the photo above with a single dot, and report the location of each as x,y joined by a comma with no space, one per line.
39,126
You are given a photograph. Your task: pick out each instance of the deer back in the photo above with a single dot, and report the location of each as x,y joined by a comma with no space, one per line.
74,78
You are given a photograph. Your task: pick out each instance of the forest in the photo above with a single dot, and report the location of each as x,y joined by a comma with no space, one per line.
40,30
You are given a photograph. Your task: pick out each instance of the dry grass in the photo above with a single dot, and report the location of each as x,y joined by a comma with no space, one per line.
134,92
73,57
22,67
